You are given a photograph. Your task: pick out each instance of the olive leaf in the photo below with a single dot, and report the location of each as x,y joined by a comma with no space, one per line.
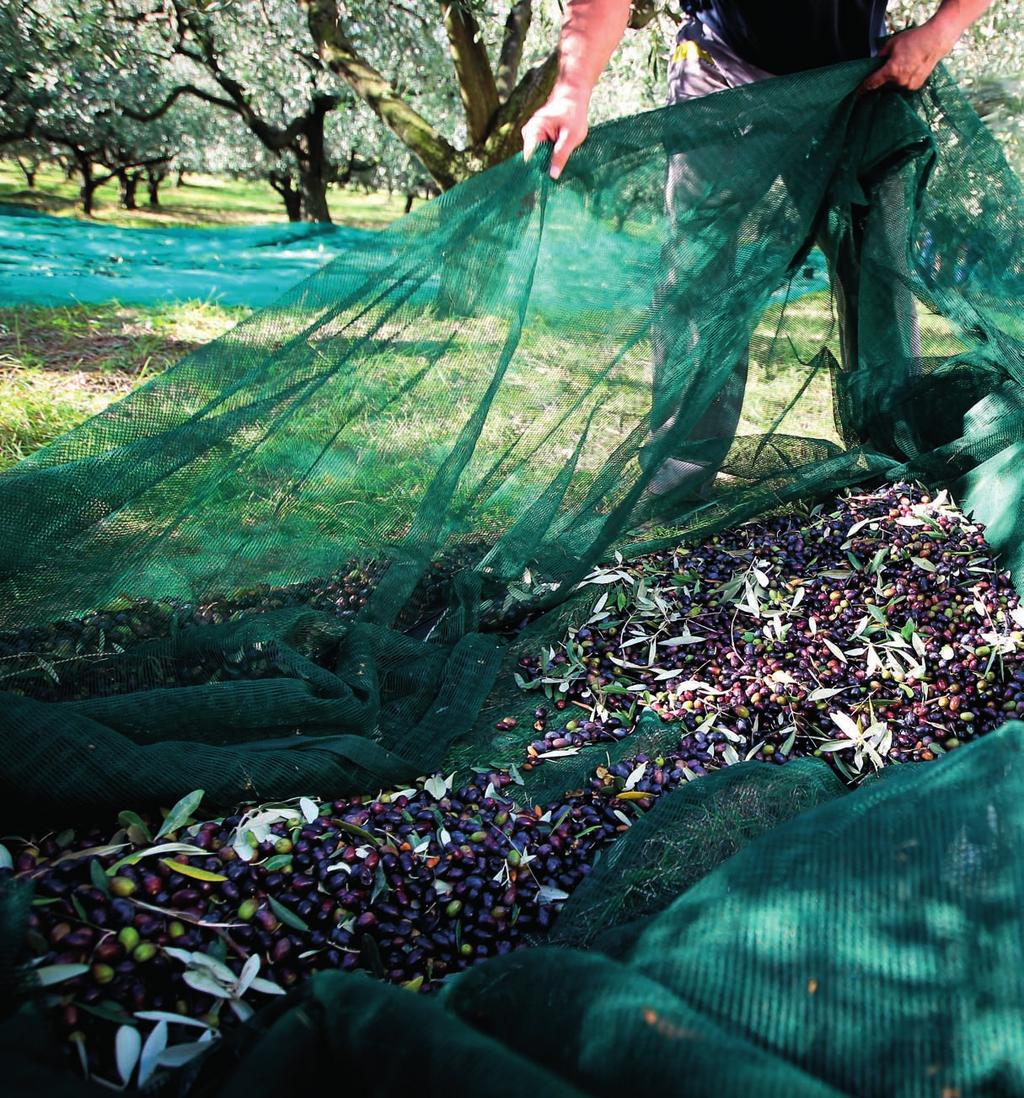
136,827
435,786
170,1016
193,871
152,851
634,776
178,1055
289,918
57,974
127,1049
250,970
154,1045
180,813
98,877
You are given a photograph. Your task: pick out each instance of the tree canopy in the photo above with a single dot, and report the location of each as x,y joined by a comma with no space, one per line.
308,93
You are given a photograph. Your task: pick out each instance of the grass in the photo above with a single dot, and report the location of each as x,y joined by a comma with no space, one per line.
60,366
202,200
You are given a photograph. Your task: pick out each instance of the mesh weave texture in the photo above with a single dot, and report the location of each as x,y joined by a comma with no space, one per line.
401,470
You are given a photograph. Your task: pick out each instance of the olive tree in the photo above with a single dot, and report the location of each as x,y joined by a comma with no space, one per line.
254,62
72,67
454,81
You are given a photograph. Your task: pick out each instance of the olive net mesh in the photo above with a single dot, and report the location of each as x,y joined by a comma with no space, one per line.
309,556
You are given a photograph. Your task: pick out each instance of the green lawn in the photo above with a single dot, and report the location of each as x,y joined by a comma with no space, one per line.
203,200
58,366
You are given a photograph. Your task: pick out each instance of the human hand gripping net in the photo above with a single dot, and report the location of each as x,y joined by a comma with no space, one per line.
326,555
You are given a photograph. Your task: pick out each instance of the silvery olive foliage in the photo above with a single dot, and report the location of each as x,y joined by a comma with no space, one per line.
988,62
312,93
65,73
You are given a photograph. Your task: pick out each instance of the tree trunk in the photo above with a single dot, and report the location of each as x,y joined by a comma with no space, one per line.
28,170
282,183
153,180
408,202
87,192
129,185
179,180
89,183
292,204
313,192
314,168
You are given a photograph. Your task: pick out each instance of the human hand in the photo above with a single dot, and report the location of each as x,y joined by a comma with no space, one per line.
911,56
563,120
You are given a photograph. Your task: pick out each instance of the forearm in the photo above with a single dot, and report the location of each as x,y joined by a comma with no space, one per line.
953,17
592,30
911,55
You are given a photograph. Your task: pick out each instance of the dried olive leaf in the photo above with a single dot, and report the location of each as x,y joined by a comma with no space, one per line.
193,871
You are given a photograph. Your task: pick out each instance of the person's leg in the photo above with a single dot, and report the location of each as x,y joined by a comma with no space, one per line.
879,329
699,66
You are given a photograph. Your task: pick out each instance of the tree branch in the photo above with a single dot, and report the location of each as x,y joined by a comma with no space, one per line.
472,67
516,25
441,159
273,137
172,97
529,94
22,133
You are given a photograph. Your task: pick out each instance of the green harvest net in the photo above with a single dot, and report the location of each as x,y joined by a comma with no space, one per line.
50,261
445,432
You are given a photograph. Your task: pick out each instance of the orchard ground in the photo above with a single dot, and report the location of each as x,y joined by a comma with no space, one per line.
59,366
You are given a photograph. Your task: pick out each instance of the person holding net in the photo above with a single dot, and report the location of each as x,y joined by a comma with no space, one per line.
726,44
